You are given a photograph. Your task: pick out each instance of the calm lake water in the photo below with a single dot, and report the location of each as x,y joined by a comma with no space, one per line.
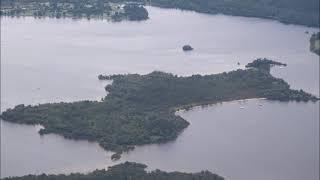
49,60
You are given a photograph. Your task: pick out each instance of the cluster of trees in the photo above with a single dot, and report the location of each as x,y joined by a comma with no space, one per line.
135,13
315,43
140,109
125,171
114,10
264,64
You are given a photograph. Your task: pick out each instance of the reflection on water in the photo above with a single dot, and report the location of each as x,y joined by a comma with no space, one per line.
49,60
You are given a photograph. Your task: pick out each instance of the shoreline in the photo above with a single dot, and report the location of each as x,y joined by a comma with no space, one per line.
182,110
196,108
109,19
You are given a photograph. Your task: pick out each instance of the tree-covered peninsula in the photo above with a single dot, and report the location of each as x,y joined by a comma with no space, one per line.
315,43
125,171
140,109
102,9
304,12
264,64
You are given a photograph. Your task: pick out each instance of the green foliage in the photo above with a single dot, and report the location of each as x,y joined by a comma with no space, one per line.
140,109
135,12
304,12
315,43
125,171
287,11
264,64
75,9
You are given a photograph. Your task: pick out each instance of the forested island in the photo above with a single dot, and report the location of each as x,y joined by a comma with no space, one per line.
286,11
315,43
125,171
140,109
102,9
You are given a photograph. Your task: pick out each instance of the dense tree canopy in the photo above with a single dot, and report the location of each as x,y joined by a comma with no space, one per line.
125,171
140,109
264,64
113,10
304,12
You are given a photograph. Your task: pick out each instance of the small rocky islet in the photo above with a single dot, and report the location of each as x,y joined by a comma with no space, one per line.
187,48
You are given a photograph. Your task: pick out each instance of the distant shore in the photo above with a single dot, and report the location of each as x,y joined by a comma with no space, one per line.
75,9
287,12
315,43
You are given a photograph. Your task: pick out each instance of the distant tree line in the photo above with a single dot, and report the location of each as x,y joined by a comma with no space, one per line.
125,171
114,10
304,12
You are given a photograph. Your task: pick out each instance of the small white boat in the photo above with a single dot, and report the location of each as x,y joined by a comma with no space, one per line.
241,107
